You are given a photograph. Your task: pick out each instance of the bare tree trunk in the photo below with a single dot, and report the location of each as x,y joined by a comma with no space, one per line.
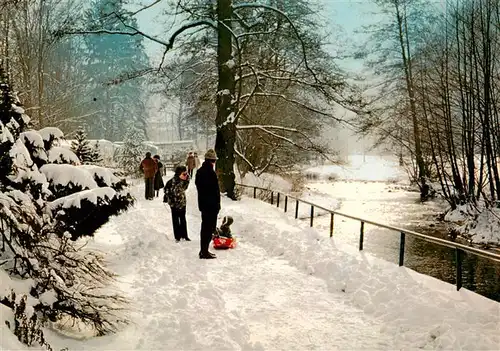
179,118
225,123
406,57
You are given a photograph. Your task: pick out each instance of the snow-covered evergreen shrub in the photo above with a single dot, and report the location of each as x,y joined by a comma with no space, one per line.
81,147
44,204
95,154
131,153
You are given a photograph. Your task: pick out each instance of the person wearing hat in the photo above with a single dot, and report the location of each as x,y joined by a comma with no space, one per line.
207,185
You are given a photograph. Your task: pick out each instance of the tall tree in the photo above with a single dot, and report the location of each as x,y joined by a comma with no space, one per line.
44,207
108,56
228,21
392,51
42,66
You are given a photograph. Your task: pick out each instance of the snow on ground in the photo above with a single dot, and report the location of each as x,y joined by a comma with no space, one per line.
285,287
361,168
266,181
479,226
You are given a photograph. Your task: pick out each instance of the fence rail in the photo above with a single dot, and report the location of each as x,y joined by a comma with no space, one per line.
459,248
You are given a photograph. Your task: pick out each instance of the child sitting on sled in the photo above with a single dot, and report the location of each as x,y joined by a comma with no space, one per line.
224,229
223,239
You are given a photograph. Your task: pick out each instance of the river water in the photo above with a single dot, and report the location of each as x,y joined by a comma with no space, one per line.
395,205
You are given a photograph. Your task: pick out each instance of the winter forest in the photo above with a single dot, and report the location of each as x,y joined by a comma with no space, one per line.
385,109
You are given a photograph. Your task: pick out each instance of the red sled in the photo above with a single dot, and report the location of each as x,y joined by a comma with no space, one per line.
222,243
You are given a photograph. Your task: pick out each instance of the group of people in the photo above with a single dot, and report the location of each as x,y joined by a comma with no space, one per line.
152,169
192,163
207,186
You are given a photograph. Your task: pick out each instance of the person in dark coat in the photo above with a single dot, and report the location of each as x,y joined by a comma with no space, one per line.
175,195
148,167
158,180
208,201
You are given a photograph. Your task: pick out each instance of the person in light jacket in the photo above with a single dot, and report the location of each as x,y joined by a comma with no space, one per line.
190,164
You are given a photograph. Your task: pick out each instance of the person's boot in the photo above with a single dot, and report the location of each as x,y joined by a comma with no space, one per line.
187,239
206,255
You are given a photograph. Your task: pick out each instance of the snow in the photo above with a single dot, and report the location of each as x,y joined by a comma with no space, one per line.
102,172
361,168
58,154
5,134
18,109
92,195
285,287
35,139
12,124
8,340
230,64
485,227
267,181
224,92
20,155
32,137
64,174
49,132
48,298
7,284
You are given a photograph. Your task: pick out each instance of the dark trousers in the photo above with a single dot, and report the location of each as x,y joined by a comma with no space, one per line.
179,223
208,225
149,192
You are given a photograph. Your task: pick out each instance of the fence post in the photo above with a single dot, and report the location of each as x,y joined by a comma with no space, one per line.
286,202
278,201
361,235
331,224
254,192
402,249
296,208
312,215
459,258
272,197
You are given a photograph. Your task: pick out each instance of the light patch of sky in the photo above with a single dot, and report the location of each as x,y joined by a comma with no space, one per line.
346,20
342,19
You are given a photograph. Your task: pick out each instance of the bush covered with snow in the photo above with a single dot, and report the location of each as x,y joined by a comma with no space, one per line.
478,224
46,202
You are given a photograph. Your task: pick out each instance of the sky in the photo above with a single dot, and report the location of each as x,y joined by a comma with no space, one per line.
343,18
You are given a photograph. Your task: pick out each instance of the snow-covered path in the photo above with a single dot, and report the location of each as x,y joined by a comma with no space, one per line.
270,293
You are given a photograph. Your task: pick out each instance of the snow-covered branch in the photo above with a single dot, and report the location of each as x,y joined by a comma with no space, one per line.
134,31
267,127
252,167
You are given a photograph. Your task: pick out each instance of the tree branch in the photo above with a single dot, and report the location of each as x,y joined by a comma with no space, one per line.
237,152
145,8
